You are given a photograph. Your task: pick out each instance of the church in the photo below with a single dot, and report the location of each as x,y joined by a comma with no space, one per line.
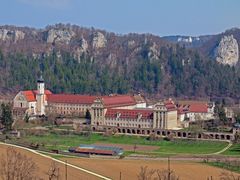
108,111
31,102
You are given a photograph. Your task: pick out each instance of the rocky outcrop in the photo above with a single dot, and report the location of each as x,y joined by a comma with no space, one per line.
99,40
112,60
153,53
60,36
131,43
227,51
16,35
82,48
83,44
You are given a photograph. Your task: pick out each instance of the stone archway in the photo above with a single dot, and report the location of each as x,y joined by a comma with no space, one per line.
228,137
179,134
184,134
222,136
163,133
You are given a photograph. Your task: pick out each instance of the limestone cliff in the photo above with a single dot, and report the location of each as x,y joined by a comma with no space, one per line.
99,40
227,51
60,35
12,35
79,50
153,53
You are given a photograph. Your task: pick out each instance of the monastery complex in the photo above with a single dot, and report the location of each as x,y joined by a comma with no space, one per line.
130,111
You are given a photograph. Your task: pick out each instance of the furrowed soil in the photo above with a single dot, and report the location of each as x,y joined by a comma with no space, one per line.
45,163
112,167
130,168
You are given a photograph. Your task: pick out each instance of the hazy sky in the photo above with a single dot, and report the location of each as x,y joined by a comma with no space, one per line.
161,17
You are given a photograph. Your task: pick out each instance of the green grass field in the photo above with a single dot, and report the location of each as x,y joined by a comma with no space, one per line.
63,142
226,166
234,150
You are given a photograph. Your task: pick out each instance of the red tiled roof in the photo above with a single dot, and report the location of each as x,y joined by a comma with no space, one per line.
94,151
130,113
118,101
71,98
183,109
195,108
198,108
169,104
31,94
47,92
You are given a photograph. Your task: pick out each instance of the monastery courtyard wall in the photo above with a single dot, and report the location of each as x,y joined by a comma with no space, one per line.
168,132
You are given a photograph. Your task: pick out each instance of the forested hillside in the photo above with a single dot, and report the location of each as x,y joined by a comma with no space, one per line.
84,61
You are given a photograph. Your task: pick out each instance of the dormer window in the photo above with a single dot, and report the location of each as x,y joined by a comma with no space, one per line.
118,115
139,116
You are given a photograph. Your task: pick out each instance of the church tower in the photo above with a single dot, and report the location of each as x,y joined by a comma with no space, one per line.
40,96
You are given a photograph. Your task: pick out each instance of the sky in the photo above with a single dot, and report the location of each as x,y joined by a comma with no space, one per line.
159,17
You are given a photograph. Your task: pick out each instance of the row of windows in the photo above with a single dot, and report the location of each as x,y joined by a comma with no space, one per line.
128,125
70,105
140,120
69,112
98,113
70,108
98,123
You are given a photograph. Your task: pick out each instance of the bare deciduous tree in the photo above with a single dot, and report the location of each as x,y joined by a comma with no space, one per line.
166,175
134,147
53,172
156,174
145,174
16,166
229,176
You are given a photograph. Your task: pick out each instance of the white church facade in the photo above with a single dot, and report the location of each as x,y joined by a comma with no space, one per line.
31,102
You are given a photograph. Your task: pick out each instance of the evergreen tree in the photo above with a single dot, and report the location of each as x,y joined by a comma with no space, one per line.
88,115
6,116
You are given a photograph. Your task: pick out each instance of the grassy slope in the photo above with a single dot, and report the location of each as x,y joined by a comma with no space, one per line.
176,146
234,168
234,150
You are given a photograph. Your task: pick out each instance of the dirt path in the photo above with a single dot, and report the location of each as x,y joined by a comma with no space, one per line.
224,149
44,161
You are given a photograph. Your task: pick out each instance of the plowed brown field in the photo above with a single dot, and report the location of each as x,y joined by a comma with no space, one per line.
44,164
112,167
130,168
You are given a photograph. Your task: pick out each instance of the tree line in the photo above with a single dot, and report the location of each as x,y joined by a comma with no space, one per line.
177,72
